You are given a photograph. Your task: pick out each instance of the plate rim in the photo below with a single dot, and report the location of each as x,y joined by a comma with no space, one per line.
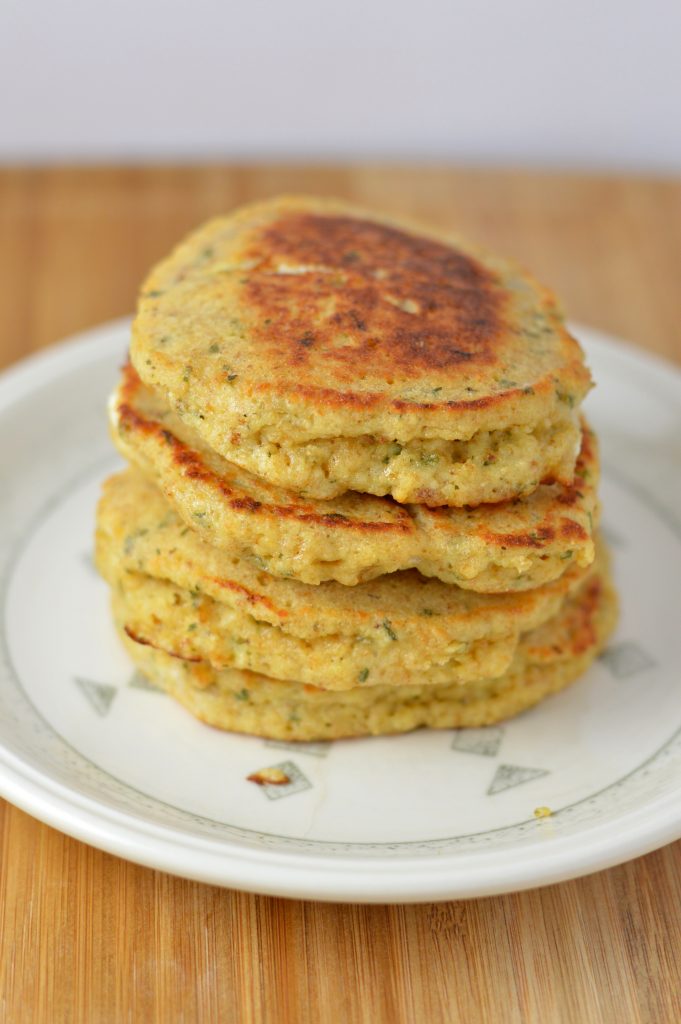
305,875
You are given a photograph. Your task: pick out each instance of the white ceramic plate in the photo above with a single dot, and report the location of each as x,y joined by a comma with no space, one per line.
88,747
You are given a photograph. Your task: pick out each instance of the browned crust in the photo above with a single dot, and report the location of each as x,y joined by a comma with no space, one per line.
264,778
192,465
372,271
580,627
567,528
250,596
144,642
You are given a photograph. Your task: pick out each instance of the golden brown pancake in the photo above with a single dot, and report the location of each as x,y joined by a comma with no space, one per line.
546,660
327,349
199,601
513,545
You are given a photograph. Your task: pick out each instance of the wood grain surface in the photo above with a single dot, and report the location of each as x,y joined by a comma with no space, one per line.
87,937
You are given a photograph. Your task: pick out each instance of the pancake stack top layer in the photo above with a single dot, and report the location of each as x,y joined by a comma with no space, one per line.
327,351
324,408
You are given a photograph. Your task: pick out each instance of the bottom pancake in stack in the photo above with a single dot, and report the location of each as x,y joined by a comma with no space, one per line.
283,659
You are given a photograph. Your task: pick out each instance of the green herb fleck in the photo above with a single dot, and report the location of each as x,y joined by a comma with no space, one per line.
187,373
429,458
192,626
393,451
363,675
242,695
214,348
427,611
389,629
131,539
566,554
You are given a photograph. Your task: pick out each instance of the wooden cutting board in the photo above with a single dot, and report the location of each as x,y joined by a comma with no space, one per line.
87,937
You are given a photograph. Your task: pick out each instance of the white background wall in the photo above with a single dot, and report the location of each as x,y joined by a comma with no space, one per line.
593,83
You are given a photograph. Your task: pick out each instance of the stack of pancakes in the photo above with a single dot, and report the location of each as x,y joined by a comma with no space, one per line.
361,496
